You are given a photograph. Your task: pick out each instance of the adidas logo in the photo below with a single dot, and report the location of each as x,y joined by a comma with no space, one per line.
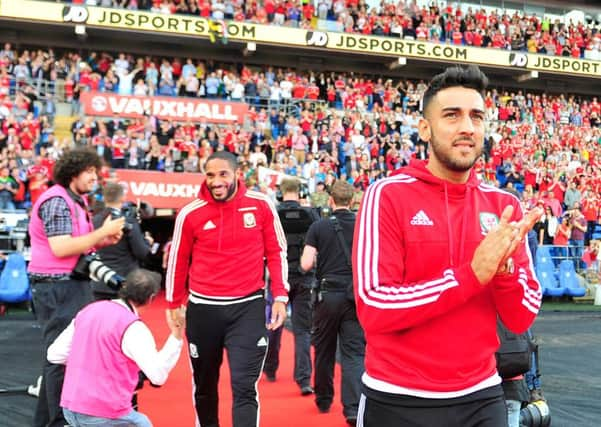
209,225
421,218
262,342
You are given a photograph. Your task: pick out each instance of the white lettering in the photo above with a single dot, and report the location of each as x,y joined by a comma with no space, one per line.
216,113
117,104
228,113
169,108
185,109
179,190
202,110
137,188
192,190
151,189
134,106
163,190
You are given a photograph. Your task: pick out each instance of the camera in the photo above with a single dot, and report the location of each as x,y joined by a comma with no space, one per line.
117,213
91,266
132,212
536,414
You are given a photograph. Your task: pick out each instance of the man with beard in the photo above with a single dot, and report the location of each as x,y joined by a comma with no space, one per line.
438,257
221,243
61,230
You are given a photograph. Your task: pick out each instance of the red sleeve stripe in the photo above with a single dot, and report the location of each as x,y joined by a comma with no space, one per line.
177,235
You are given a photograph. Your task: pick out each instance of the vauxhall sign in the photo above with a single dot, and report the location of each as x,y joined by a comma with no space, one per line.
159,189
166,108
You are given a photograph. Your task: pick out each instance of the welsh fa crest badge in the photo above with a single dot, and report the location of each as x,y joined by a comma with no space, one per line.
488,221
249,220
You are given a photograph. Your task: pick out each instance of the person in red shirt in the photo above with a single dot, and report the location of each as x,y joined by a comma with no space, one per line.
312,91
457,37
37,181
477,39
299,90
422,274
236,229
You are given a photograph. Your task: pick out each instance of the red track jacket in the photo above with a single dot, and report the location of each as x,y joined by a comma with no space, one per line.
218,248
430,325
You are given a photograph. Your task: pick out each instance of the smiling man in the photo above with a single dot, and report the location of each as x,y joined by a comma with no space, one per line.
440,255
216,266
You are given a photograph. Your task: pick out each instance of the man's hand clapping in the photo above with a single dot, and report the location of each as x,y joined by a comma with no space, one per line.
492,254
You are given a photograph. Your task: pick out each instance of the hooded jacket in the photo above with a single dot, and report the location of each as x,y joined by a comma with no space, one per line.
430,325
219,249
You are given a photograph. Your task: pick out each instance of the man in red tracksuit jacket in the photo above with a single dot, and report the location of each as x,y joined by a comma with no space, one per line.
216,264
437,257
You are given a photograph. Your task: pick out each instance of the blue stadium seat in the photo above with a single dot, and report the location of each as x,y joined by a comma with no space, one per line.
569,280
14,284
548,282
543,256
597,232
519,187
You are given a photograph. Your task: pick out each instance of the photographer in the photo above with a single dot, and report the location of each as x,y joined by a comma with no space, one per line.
295,220
133,247
61,231
104,347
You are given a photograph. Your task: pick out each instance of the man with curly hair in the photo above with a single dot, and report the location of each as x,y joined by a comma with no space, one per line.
61,231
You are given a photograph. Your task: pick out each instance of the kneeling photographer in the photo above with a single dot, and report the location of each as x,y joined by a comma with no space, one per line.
103,349
130,251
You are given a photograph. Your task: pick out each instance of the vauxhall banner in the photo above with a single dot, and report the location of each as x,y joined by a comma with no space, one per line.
183,25
164,107
159,189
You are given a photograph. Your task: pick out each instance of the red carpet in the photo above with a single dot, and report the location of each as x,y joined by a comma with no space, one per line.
281,403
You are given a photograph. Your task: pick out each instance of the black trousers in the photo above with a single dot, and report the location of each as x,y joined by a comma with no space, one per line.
56,304
302,308
335,321
240,329
485,408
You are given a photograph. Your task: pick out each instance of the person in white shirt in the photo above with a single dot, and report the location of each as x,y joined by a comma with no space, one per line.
237,93
122,64
286,90
103,349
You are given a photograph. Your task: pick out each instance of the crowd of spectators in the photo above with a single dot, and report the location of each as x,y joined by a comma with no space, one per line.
535,140
438,22
125,74
347,126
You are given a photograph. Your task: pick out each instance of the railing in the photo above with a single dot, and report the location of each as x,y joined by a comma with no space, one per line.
561,253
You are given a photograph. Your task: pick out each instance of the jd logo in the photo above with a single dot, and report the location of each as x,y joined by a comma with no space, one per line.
75,14
316,38
518,60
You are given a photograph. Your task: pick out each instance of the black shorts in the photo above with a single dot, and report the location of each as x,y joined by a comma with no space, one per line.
484,408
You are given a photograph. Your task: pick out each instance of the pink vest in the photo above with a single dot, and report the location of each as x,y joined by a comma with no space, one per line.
99,379
42,258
